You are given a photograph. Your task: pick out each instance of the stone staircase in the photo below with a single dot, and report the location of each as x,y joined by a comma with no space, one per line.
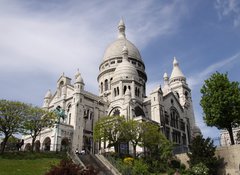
92,160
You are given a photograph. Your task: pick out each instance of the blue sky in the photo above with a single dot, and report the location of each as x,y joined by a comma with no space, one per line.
41,39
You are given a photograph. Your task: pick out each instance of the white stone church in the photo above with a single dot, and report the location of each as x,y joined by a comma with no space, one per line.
122,91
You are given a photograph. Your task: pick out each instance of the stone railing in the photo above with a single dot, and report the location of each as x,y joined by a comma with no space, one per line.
107,164
75,158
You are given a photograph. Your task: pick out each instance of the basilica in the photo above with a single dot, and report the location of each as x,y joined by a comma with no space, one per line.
122,91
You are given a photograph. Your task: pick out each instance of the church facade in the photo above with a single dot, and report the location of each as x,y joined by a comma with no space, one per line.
122,91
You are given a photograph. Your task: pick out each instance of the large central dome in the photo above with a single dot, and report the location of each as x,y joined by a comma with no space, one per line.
116,66
114,50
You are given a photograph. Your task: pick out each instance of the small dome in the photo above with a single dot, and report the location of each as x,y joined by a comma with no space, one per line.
165,76
78,77
196,131
125,69
48,94
176,72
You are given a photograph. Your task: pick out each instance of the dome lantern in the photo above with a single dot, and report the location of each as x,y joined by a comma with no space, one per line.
121,29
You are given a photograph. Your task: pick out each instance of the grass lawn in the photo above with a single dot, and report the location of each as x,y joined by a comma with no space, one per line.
28,163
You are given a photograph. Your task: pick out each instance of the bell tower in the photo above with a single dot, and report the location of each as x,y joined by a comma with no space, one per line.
179,87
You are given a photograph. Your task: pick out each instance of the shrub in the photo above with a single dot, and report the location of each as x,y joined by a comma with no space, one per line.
66,166
128,161
140,168
200,169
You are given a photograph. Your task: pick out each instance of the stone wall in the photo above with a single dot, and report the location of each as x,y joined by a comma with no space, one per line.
231,155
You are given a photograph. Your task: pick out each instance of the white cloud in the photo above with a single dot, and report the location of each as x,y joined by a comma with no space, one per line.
198,79
229,8
58,37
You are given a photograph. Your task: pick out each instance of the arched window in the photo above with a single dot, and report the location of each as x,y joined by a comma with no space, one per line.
101,87
136,93
69,119
115,93
177,94
124,89
117,90
110,83
61,83
69,114
139,112
106,85
186,94
116,112
174,118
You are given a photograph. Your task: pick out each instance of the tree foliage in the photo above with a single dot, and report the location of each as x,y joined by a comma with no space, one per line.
203,151
36,120
110,128
158,150
12,114
133,133
221,103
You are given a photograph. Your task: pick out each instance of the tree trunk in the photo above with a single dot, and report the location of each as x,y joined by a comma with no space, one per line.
116,145
134,150
4,144
231,135
33,141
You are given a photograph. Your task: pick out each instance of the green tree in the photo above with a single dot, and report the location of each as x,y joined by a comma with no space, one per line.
221,103
156,143
158,150
110,129
12,114
133,132
203,151
36,120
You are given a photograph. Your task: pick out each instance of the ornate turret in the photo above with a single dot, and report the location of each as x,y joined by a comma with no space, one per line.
176,72
79,83
47,99
166,87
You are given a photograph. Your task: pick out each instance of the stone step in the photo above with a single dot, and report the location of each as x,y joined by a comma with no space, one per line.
91,160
